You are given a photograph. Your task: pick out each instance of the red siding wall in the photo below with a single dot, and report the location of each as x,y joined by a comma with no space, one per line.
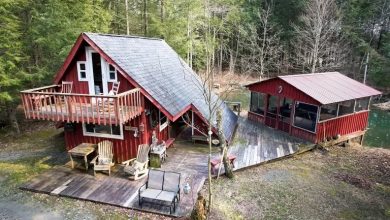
305,135
255,117
288,91
344,125
123,149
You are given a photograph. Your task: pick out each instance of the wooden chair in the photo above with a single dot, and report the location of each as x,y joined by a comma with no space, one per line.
66,88
104,160
108,104
138,167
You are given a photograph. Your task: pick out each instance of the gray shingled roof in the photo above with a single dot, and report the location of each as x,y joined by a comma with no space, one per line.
158,69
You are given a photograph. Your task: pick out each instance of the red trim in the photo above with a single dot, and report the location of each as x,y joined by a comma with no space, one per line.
68,59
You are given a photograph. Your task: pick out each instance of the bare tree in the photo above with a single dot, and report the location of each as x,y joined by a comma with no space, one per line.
127,17
263,45
318,42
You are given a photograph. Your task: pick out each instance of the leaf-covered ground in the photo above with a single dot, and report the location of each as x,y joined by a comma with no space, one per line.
342,183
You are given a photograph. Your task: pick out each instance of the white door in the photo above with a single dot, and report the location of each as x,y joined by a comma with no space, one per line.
97,68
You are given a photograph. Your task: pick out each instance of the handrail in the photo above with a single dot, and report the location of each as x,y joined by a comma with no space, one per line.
46,103
40,88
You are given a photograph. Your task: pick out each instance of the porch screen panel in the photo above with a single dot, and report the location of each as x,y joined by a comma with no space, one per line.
362,104
328,111
257,103
346,107
305,116
272,106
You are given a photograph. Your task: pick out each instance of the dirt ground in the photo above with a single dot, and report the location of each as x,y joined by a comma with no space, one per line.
342,183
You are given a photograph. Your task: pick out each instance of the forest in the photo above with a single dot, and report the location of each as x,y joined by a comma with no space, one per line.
261,38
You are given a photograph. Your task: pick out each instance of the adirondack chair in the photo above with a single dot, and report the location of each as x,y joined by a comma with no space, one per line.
138,167
103,161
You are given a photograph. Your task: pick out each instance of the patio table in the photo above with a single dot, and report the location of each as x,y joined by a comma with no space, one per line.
82,150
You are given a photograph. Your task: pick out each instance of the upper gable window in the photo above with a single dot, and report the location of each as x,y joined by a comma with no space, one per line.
112,73
82,70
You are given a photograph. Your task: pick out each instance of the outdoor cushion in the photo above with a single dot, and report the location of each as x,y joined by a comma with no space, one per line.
104,161
155,179
171,182
136,166
150,193
166,196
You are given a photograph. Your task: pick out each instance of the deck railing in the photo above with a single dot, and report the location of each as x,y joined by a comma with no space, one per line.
49,104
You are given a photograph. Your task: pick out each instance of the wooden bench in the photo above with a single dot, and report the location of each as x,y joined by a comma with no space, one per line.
169,142
215,163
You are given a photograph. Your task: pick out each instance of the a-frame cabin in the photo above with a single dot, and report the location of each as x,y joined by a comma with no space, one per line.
122,88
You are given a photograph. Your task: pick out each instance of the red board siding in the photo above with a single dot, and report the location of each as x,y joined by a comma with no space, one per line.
288,91
255,117
305,135
344,125
123,149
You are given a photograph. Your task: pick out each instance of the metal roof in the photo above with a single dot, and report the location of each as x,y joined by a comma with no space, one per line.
329,87
159,70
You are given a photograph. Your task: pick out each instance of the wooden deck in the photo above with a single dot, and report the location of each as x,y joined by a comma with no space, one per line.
253,145
118,190
49,104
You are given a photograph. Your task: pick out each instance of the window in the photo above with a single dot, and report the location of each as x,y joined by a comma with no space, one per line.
163,120
346,107
272,106
305,116
328,111
362,104
112,75
108,131
82,71
257,103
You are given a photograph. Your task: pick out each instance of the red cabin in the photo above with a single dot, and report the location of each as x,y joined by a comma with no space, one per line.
123,88
316,107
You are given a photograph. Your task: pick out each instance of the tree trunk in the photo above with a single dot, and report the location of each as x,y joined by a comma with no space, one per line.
222,140
209,168
11,111
127,18
199,211
162,11
145,19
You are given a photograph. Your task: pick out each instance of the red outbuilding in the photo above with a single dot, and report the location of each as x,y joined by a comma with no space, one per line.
316,107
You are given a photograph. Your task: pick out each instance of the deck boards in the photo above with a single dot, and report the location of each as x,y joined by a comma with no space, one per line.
253,144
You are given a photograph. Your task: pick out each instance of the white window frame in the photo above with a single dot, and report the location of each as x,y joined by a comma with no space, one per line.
79,70
112,136
162,126
108,73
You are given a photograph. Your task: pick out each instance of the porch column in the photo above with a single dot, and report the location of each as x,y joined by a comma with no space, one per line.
292,115
144,121
192,123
